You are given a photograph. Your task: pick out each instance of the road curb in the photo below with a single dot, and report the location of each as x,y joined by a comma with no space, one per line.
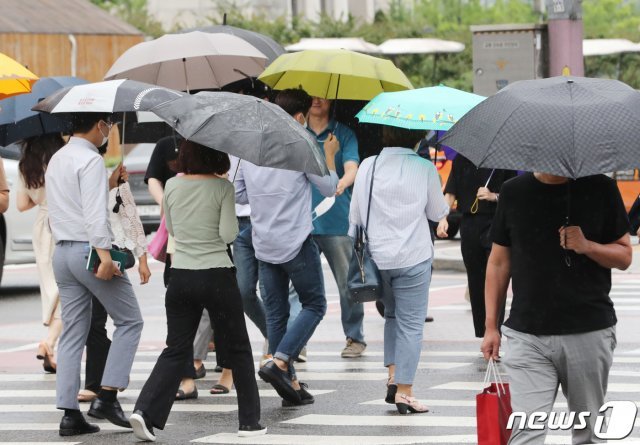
456,265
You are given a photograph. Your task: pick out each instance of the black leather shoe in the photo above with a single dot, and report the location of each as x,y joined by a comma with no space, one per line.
73,426
305,397
280,381
142,427
252,430
110,411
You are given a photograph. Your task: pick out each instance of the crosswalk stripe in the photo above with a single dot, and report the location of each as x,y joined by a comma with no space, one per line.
37,443
478,386
281,439
51,427
319,365
415,420
366,354
134,393
189,408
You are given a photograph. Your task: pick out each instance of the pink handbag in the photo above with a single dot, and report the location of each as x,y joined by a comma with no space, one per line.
158,245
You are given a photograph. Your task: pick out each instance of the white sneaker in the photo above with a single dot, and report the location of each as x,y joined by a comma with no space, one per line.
140,428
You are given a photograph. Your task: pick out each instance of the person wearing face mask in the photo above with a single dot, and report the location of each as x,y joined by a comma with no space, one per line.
77,195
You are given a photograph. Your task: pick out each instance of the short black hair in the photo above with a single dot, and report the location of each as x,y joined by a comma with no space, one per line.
294,100
84,122
196,159
400,137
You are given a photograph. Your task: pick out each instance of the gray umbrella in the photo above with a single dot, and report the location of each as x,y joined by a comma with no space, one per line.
571,127
265,44
247,127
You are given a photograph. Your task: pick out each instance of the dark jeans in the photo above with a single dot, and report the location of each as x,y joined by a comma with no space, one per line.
476,247
98,345
189,292
305,273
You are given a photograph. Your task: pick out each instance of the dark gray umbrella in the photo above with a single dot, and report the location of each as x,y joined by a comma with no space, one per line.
247,127
18,121
571,127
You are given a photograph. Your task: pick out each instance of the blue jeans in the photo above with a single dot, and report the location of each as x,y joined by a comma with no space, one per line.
405,307
305,272
247,275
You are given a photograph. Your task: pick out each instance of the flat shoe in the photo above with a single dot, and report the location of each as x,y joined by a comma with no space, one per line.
86,395
201,372
180,395
218,389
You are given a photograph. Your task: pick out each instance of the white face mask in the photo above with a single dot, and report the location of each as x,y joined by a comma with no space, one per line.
105,139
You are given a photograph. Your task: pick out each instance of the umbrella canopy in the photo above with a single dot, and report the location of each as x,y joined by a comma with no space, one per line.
265,44
247,127
420,46
18,121
107,97
14,78
571,127
357,44
191,61
432,108
335,74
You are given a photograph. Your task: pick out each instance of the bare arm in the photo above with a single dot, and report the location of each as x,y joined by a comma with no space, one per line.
24,202
495,294
349,177
616,255
156,190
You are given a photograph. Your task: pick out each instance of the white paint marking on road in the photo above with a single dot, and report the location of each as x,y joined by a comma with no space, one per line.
52,426
625,373
421,421
188,408
37,443
362,376
20,348
134,393
333,365
337,354
281,439
478,386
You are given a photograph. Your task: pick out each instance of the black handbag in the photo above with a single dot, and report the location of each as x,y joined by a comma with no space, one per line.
364,281
131,260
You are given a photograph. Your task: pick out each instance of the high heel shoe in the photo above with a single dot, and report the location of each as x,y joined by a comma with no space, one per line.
406,403
392,389
46,355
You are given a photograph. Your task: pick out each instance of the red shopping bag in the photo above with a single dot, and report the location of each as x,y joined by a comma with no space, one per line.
493,408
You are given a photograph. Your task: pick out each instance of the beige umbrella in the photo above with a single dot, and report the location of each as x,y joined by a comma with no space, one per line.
190,61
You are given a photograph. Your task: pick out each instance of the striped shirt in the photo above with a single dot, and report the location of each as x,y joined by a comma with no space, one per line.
406,193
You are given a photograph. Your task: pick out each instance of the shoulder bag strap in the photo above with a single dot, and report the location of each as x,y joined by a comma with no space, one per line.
373,172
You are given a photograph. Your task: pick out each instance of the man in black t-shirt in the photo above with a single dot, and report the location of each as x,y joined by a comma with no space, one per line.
561,329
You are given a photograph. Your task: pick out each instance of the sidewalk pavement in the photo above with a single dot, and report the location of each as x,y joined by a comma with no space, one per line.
448,256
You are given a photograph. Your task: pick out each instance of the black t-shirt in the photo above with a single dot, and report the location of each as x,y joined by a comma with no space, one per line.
465,179
549,297
165,151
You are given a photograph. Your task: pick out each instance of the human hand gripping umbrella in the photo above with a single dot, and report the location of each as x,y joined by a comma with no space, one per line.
252,129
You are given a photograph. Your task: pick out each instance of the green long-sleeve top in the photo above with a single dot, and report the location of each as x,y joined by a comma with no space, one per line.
200,215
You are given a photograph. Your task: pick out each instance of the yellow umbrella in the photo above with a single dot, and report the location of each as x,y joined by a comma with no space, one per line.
335,74
14,78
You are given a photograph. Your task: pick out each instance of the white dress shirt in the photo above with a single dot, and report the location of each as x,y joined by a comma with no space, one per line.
77,195
406,193
280,208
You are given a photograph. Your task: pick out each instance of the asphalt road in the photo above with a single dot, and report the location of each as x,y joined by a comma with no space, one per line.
349,407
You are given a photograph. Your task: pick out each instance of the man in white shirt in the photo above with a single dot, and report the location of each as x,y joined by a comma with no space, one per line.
77,196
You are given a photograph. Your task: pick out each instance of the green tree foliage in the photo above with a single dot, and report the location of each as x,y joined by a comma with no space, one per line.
444,19
133,12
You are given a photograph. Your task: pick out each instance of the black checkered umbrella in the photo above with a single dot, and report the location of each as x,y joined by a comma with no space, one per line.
570,127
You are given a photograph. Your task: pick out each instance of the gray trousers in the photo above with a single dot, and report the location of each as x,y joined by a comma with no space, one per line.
536,365
77,285
203,336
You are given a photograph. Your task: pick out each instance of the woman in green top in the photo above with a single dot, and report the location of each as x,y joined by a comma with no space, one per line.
200,214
